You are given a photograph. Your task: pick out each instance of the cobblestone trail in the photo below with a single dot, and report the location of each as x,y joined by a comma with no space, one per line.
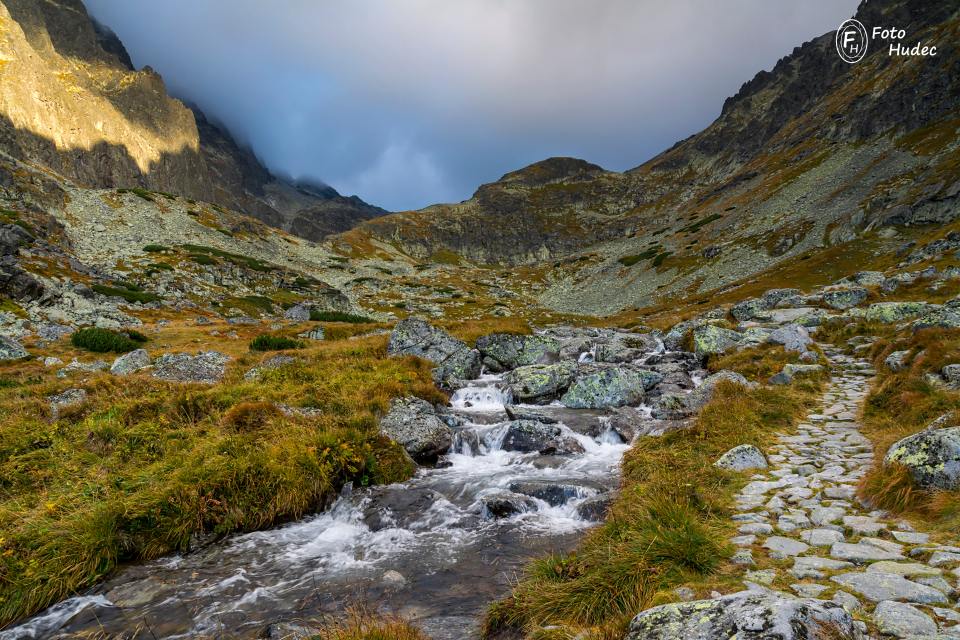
803,510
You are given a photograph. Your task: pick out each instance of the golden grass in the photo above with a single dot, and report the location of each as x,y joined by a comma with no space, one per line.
360,624
143,465
667,527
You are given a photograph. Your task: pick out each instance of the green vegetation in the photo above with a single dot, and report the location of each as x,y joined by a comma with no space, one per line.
696,226
267,342
130,293
243,261
667,527
155,248
901,404
140,193
146,464
660,257
629,261
12,217
338,316
160,266
106,340
200,258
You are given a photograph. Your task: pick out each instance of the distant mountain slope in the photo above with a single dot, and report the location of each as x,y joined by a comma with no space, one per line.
812,153
71,101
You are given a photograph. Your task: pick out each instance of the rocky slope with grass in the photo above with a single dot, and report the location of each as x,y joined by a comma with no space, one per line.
71,101
813,154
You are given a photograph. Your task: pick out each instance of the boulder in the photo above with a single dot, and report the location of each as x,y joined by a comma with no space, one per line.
297,313
940,317
902,620
10,349
12,237
951,373
504,504
773,297
392,506
793,337
595,509
891,312
710,339
528,436
626,347
273,362
505,351
313,334
130,362
414,425
896,361
675,338
791,371
749,309
205,368
932,456
540,383
610,386
844,298
553,493
675,406
416,337
742,458
747,615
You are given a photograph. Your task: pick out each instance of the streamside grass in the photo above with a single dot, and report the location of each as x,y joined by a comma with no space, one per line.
145,465
668,526
361,624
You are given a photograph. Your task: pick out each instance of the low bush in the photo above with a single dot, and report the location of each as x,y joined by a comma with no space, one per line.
100,340
267,342
130,295
155,248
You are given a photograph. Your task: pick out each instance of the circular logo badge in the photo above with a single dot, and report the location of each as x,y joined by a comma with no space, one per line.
852,41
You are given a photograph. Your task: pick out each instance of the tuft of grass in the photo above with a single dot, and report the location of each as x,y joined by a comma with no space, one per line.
668,525
339,316
267,342
360,624
100,340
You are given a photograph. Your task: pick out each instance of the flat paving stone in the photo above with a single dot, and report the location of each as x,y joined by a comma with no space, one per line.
888,586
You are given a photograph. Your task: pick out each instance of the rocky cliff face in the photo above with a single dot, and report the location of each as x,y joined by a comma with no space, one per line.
814,153
71,101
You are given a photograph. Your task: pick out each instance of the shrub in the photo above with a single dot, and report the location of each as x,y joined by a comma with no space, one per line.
130,295
629,261
338,316
155,248
105,340
160,266
140,193
267,342
199,258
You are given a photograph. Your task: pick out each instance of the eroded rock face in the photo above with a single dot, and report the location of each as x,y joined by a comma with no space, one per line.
933,457
748,615
505,351
205,368
413,424
454,359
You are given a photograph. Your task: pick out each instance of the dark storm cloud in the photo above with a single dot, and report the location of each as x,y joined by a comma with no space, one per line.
412,102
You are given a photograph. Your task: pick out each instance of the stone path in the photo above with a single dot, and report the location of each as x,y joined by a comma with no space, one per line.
802,514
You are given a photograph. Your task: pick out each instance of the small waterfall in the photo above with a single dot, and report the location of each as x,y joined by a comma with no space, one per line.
487,395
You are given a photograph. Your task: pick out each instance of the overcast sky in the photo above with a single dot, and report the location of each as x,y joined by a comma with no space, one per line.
411,102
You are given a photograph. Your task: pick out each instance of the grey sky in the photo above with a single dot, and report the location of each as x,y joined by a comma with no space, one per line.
407,103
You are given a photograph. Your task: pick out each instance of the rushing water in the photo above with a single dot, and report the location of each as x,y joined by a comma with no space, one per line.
427,549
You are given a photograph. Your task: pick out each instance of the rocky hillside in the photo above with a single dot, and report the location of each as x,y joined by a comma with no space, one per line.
71,101
810,155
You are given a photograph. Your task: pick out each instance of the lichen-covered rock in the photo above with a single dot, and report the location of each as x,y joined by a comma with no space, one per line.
791,371
626,347
749,309
130,362
540,383
297,313
454,359
896,361
205,368
414,425
890,312
676,406
844,298
674,339
742,458
793,337
595,388
505,351
10,349
710,339
773,297
315,333
932,456
747,615
940,317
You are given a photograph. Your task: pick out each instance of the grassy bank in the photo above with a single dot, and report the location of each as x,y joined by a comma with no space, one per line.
901,404
668,526
143,467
